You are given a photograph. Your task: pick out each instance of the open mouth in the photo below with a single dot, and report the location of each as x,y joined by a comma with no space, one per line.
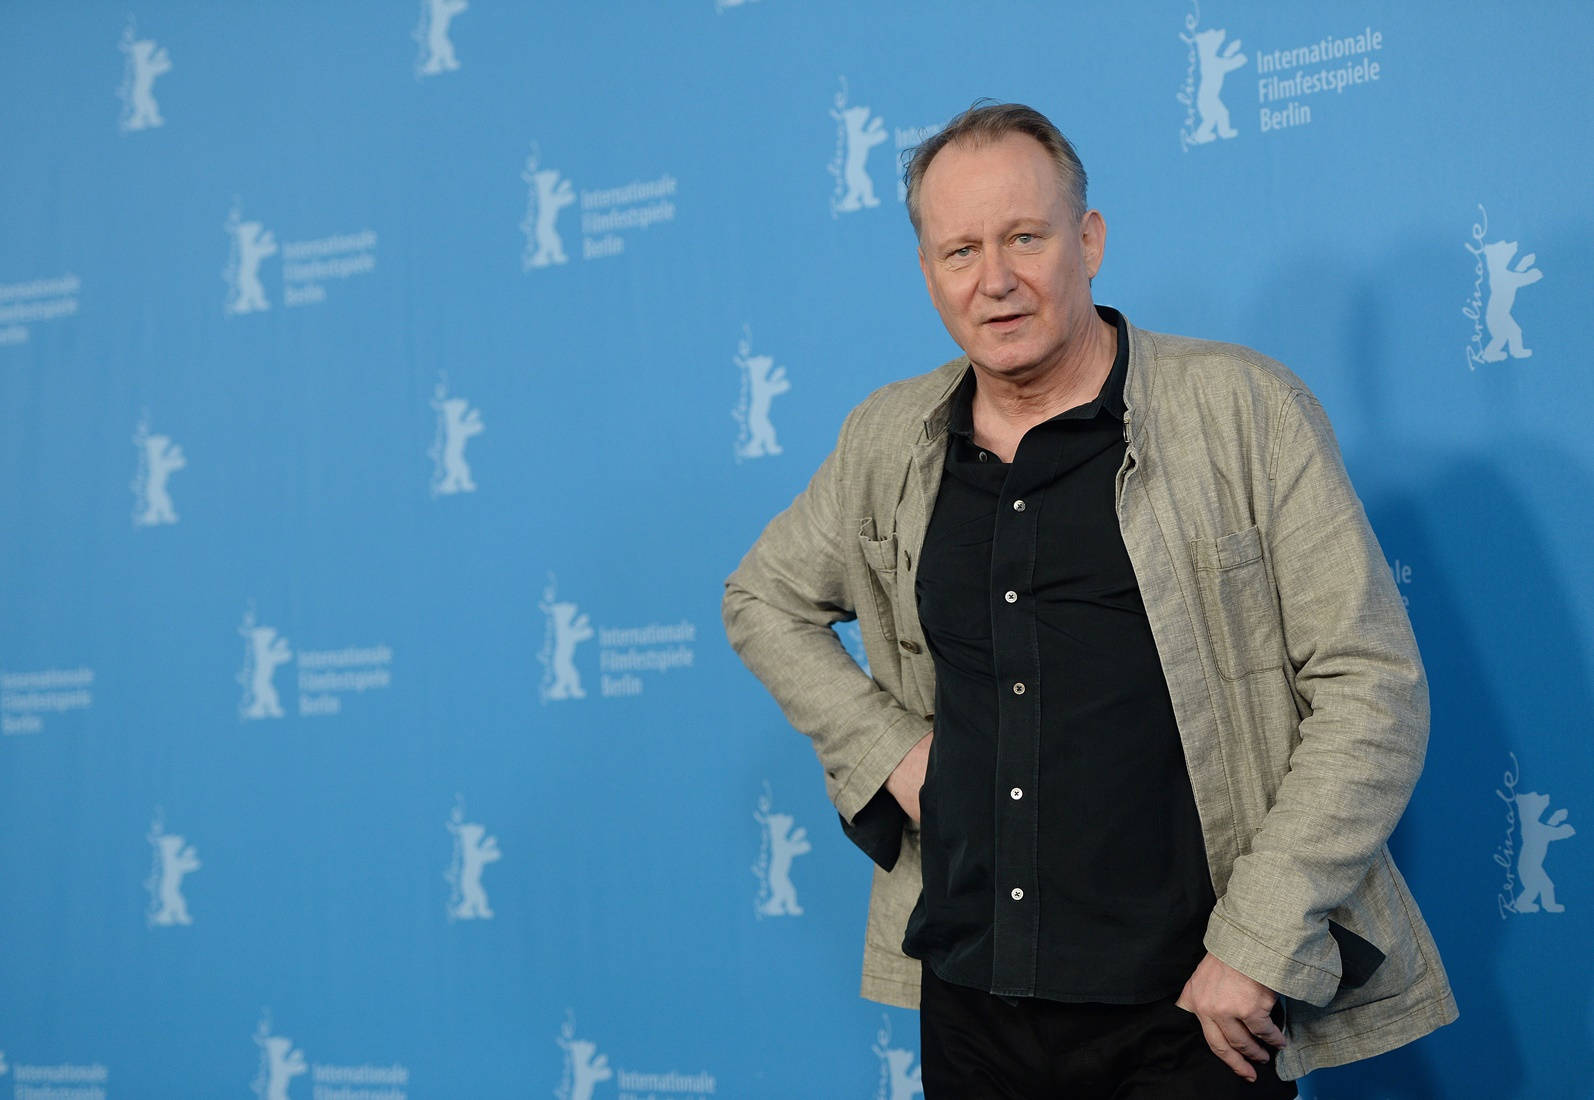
1006,320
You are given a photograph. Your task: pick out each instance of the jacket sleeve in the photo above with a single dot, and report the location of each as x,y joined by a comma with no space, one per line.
779,607
1360,744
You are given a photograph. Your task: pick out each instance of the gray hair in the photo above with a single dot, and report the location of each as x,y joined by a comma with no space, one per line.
987,121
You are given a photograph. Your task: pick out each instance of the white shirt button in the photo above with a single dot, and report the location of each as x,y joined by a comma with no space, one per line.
1018,895
1018,506
1010,597
1018,689
1016,793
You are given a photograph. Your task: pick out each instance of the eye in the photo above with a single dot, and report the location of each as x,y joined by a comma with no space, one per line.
962,253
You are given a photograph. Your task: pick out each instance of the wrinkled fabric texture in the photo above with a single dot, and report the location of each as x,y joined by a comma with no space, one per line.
1301,701
975,1044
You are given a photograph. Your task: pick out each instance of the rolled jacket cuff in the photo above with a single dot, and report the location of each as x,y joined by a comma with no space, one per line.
1313,982
868,776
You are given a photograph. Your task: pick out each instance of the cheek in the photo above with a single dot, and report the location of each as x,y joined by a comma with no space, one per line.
951,298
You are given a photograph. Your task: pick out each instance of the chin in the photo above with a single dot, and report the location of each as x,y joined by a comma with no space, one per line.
1006,360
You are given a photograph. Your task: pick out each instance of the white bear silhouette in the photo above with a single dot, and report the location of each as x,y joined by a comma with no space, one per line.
147,61
1504,282
460,424
562,680
281,1064
587,1067
254,243
176,860
552,195
162,458
1214,67
474,850
765,382
785,844
266,651
901,1083
860,139
1536,838
437,15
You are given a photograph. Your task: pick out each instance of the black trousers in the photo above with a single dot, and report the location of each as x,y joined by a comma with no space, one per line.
975,1046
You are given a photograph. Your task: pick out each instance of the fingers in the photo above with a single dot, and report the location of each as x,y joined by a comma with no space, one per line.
1237,1042
1266,1030
1240,1039
1224,1048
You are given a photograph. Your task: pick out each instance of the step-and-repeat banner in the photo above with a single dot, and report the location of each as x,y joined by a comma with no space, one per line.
388,387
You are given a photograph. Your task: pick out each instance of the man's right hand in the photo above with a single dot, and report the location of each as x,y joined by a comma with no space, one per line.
908,776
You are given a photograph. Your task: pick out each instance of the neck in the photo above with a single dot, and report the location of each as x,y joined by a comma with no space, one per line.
1007,406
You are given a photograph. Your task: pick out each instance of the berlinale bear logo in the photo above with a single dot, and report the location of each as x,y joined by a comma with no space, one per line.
457,424
173,857
780,845
264,652
547,194
584,1067
437,51
1537,889
1504,282
280,1063
762,382
473,851
1209,61
252,244
856,133
158,459
145,62
565,628
897,1080
1493,259
1528,835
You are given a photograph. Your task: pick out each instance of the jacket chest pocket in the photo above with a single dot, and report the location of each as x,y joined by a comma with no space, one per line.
880,554
1239,603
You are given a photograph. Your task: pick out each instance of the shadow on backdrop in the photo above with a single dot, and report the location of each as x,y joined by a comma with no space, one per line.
1507,671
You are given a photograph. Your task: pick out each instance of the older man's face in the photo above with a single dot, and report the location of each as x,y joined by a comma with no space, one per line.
1007,264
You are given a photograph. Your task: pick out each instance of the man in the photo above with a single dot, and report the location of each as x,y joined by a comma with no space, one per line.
1145,705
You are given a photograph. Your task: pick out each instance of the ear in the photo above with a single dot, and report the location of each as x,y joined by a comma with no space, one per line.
1093,240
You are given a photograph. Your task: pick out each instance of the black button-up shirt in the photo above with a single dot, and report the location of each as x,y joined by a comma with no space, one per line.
1062,853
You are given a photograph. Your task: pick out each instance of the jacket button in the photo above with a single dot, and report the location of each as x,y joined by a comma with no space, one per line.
911,647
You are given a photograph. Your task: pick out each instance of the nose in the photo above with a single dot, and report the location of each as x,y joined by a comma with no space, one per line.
997,279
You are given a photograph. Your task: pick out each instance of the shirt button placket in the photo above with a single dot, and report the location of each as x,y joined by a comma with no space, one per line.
1013,635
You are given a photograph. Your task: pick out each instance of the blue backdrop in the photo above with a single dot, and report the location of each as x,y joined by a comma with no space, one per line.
388,386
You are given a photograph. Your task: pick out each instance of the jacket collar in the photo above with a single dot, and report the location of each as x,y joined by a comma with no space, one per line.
950,376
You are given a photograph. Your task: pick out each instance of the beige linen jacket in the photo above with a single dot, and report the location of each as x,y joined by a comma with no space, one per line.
1300,698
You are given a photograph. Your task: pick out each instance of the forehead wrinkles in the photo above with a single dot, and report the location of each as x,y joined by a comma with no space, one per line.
969,188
